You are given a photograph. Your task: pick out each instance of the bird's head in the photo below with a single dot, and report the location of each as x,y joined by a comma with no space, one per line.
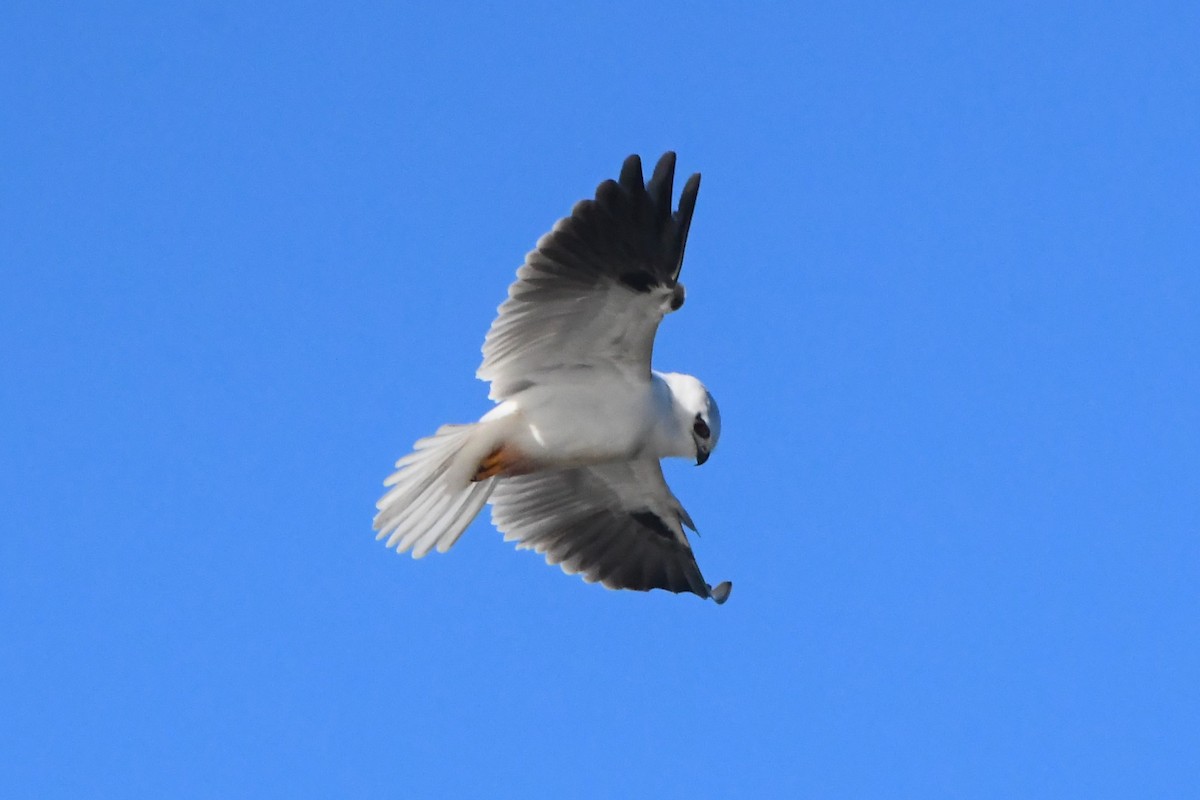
697,413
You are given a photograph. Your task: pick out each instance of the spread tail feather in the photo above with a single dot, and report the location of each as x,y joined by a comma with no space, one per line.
432,499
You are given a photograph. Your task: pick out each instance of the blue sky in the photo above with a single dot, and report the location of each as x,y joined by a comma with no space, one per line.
942,279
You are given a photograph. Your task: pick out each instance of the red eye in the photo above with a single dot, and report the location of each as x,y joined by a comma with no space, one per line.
700,427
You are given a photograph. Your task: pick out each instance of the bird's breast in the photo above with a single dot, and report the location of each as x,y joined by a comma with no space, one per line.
580,422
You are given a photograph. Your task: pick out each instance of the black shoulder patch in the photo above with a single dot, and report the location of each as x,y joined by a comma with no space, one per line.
653,523
639,281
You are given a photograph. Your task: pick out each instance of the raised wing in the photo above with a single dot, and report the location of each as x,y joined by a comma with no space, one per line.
595,288
617,524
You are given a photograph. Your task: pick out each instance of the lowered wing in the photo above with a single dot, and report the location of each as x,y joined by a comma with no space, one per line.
617,524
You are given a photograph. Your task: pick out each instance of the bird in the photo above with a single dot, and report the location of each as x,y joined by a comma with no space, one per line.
569,455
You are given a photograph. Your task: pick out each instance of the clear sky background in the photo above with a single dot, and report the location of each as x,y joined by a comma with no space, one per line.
943,279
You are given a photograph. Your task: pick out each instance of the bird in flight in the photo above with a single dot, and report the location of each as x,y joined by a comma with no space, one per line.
569,456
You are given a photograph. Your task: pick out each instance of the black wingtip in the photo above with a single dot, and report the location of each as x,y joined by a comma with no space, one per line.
608,193
631,175
687,201
687,205
662,183
720,592
652,226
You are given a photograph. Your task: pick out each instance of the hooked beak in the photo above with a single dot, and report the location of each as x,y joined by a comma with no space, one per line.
701,455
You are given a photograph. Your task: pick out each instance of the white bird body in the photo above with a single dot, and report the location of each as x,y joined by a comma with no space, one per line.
569,456
555,425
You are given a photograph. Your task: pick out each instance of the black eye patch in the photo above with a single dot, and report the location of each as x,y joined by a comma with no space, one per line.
700,427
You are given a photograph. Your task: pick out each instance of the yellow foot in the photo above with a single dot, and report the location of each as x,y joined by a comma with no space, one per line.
500,461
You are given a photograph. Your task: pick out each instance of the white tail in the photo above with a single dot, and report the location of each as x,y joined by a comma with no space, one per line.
432,499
